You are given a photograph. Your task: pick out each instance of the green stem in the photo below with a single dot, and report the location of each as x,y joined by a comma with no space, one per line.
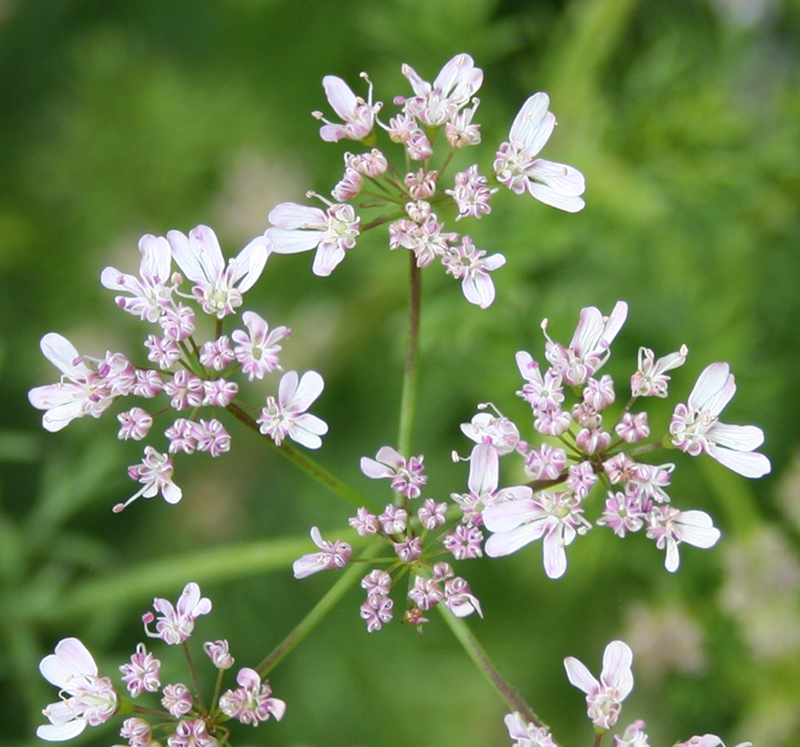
408,402
505,689
305,463
313,618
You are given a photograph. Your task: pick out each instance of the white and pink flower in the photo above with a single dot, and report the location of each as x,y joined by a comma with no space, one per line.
287,416
518,168
175,624
695,426
358,115
604,697
300,228
86,698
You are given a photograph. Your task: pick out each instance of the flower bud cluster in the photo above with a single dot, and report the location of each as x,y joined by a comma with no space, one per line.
89,700
406,534
194,376
414,197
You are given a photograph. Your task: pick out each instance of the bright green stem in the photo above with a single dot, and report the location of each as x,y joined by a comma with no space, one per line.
408,403
313,618
506,690
305,463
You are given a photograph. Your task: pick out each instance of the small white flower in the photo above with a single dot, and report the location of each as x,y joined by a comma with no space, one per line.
604,698
287,415
92,699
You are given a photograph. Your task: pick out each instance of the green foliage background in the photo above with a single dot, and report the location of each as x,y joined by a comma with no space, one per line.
129,117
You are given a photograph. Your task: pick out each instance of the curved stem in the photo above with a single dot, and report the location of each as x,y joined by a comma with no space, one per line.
305,463
318,612
505,689
408,402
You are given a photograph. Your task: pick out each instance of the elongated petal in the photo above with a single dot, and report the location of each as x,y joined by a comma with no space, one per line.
746,463
115,280
63,355
532,126
506,543
292,241
329,255
306,430
249,263
156,258
579,676
713,390
478,289
549,196
70,730
616,672
736,437
484,470
342,100
71,659
291,215
555,556
697,528
565,180
310,387
507,516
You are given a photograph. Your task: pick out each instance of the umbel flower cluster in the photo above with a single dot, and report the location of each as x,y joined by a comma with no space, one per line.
87,699
583,447
414,197
582,455
195,376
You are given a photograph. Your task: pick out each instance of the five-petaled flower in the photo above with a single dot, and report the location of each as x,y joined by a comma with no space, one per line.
287,416
604,698
176,624
695,426
518,168
91,699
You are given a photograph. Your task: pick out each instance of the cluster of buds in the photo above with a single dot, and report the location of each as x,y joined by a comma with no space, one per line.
407,534
195,376
414,196
89,700
581,451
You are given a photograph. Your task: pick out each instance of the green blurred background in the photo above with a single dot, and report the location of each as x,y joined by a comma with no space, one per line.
128,117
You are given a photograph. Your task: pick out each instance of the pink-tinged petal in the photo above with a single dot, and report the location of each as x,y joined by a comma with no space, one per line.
555,556
579,676
506,516
615,321
420,87
256,325
392,457
374,469
171,492
310,387
249,263
115,280
316,537
277,708
479,289
737,437
62,354
287,388
616,672
307,565
71,659
205,246
532,126
185,256
506,543
306,430
60,713
714,388
517,727
494,261
70,730
550,197
342,100
293,241
248,678
745,463
588,331
156,258
484,470
329,255
515,493
290,215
